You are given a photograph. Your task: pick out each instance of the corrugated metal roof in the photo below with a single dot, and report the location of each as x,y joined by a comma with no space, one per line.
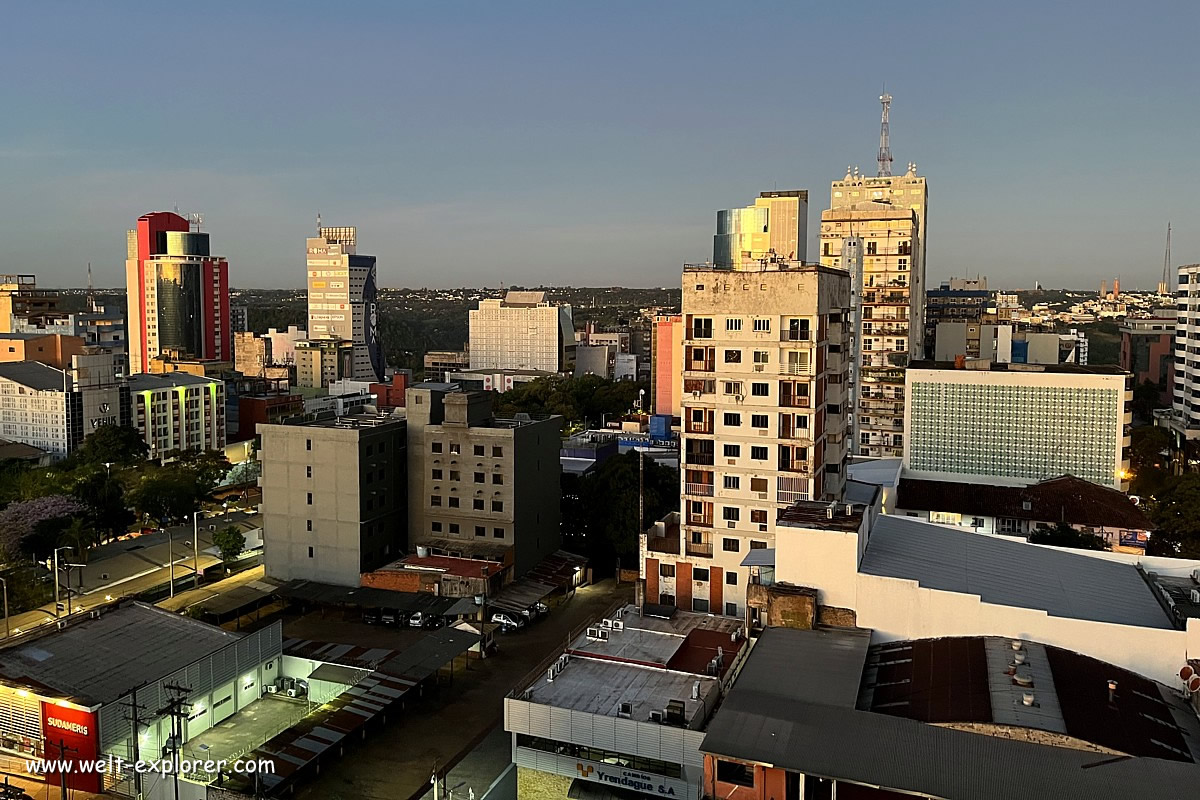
760,557
1012,573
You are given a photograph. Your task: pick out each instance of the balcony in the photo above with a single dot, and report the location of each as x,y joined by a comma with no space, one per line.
799,467
700,459
700,520
701,549
700,427
702,365
698,386
663,544
796,369
698,489
795,336
792,401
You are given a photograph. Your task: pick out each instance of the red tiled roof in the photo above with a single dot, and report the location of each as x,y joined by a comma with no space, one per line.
1062,499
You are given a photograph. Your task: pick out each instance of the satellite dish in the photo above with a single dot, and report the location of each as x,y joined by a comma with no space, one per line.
1193,683
1186,673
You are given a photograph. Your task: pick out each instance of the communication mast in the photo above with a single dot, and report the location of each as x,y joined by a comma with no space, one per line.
885,146
1162,287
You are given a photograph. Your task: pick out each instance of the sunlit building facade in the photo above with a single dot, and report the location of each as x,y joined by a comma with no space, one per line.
776,225
343,297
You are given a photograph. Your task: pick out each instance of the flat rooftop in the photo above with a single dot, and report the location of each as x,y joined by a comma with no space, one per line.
1069,369
98,660
826,516
347,421
640,669
1012,573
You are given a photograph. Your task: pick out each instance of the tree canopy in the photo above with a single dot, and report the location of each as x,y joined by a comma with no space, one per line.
230,541
1063,535
586,399
114,444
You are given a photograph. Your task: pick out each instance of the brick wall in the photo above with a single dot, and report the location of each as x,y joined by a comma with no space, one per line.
651,580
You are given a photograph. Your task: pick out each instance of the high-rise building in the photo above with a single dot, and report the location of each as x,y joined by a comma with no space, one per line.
1147,351
283,343
251,354
20,297
667,357
1041,421
342,298
239,319
764,373
522,331
178,411
874,229
775,226
320,362
333,497
479,484
178,293
956,300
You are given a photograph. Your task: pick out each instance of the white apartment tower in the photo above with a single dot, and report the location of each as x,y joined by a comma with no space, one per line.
764,421
1185,403
523,331
342,298
875,229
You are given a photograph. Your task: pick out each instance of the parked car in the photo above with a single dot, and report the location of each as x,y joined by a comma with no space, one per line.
508,621
389,616
420,619
370,616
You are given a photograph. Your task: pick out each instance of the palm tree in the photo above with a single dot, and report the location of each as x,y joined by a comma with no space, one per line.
79,535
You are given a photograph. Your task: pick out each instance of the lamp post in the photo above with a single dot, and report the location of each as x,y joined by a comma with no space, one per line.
7,632
57,550
170,560
196,550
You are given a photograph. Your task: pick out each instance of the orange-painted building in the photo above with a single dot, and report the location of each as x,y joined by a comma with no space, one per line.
52,349
667,357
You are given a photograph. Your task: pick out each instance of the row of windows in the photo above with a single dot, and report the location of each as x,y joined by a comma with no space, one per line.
665,768
477,477
454,528
456,449
477,503
699,574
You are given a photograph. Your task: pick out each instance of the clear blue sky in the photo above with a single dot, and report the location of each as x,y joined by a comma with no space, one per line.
591,143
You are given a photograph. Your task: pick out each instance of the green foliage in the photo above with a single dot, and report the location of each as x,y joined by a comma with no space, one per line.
105,496
115,444
1063,535
230,541
600,512
29,587
586,399
1149,458
1146,398
166,494
206,467
1176,515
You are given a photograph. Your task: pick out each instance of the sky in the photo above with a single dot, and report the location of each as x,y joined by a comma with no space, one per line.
590,144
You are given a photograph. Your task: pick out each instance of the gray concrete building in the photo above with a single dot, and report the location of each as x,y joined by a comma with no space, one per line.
479,484
333,503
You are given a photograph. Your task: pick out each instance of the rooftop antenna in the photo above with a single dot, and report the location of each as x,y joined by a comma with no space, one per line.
885,147
1167,258
318,223
91,295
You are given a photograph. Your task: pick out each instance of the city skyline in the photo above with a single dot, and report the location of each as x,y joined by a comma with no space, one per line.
540,113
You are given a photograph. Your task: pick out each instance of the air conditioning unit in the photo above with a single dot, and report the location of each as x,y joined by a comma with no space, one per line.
656,716
61,624
625,710
272,688
606,623
550,675
618,625
94,614
731,524
1195,593
762,495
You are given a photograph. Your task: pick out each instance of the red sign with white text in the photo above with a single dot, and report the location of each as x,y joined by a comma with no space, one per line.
70,735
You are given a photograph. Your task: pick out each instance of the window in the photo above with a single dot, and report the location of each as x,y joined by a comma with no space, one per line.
733,356
758,453
701,328
759,421
497,451
310,498
308,444
700,574
666,570
733,420
480,530
761,357
731,546
731,481
825,249
733,324
1010,525
478,450
760,389
758,484
497,505
756,545
731,513
898,440
762,325
732,772
454,502
454,528
871,248
731,609
730,451
437,474
976,522
308,471
477,504
455,448
730,578
435,447
309,524
497,479
700,605
436,527
435,500
758,516
479,477
370,449
310,552
733,387
454,475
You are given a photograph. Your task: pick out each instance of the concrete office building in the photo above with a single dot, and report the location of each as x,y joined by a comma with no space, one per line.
178,293
1008,344
875,229
624,708
52,349
594,359
956,300
1042,422
178,411
20,298
479,483
54,409
251,354
522,331
239,319
333,502
320,362
667,357
1148,351
342,297
764,421
775,227
438,363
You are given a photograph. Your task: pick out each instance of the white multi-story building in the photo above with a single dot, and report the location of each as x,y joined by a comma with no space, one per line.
1185,404
522,331
178,411
1021,422
764,421
342,296
875,229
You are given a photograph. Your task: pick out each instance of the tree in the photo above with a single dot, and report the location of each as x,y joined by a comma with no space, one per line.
105,496
1176,515
1149,458
207,468
33,527
585,399
115,444
1146,397
165,495
80,535
1063,535
230,541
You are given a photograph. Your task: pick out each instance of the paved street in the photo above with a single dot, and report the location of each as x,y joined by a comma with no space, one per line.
133,566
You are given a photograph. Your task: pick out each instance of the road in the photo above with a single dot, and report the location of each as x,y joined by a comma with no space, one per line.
132,566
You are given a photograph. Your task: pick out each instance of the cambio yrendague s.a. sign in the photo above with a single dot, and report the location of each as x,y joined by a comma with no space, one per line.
67,725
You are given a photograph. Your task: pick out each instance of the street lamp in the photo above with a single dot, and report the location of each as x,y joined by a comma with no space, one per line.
7,632
196,550
57,550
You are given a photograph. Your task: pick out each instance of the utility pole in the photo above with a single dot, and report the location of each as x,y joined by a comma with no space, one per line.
7,631
62,757
175,710
135,726
170,562
196,550
641,491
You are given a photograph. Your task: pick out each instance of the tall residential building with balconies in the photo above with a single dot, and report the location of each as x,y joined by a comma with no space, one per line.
342,297
874,230
764,420
522,331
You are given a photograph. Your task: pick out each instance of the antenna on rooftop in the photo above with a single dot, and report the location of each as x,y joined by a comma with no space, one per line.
1166,263
318,223
885,147
91,295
